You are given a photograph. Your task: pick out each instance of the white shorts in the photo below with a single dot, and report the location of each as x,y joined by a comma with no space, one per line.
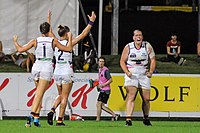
64,79
42,71
138,80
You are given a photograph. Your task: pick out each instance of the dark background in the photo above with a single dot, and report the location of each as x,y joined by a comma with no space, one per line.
156,26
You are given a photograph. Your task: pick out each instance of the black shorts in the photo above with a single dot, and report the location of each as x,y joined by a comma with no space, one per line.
103,97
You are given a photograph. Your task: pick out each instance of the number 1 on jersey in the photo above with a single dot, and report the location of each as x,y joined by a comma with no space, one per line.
44,50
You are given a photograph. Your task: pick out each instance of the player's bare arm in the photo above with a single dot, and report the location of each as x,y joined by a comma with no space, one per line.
86,30
123,60
25,47
51,34
152,67
68,47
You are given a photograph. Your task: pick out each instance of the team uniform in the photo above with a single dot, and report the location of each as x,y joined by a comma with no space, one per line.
63,72
104,76
43,68
137,63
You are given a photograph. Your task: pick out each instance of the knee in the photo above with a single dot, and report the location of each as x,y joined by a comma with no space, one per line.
63,103
64,99
131,97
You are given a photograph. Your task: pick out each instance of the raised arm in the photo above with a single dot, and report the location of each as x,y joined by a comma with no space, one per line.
25,47
68,47
51,34
86,30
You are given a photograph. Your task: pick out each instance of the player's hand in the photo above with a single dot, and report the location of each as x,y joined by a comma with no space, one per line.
49,16
69,34
149,74
15,38
129,74
92,17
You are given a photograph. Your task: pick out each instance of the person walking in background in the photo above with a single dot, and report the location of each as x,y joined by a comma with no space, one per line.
42,69
63,73
174,50
134,61
105,80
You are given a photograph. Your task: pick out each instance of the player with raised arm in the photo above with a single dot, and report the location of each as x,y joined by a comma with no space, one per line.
42,69
63,73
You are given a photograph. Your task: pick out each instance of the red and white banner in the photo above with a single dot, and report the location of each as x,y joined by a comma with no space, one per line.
17,91
171,95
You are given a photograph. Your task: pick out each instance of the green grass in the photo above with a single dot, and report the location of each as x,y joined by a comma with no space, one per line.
112,61
17,126
10,67
191,66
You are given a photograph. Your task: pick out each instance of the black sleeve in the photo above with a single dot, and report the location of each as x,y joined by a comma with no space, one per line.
107,74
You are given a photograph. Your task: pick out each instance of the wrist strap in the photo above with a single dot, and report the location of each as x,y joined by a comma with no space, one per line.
91,23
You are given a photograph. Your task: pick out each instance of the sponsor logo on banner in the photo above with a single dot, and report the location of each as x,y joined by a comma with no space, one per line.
31,93
77,94
81,80
4,84
167,94
81,93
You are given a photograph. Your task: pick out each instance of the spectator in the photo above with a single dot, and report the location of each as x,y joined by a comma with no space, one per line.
198,52
173,50
88,60
23,62
2,55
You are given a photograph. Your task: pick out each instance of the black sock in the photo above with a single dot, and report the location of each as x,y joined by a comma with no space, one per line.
60,120
146,116
33,114
37,115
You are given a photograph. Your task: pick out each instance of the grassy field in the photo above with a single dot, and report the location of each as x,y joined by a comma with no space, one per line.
190,67
10,67
17,126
